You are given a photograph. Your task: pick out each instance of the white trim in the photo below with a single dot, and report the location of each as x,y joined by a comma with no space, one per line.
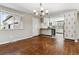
14,40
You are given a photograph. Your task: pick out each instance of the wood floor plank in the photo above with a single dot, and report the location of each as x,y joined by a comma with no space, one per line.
40,45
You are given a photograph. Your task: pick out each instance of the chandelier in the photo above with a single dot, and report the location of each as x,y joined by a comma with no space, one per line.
42,12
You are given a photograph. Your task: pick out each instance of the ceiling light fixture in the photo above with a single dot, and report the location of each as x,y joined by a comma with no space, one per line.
42,12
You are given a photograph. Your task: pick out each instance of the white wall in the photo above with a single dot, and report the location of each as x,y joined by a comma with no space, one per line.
45,23
77,28
36,26
14,35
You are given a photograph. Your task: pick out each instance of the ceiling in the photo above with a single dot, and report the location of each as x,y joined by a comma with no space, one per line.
53,8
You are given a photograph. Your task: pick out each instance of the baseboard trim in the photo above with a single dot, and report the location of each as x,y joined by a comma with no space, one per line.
16,40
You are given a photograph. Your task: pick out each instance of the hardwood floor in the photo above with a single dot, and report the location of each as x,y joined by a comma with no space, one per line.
40,45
